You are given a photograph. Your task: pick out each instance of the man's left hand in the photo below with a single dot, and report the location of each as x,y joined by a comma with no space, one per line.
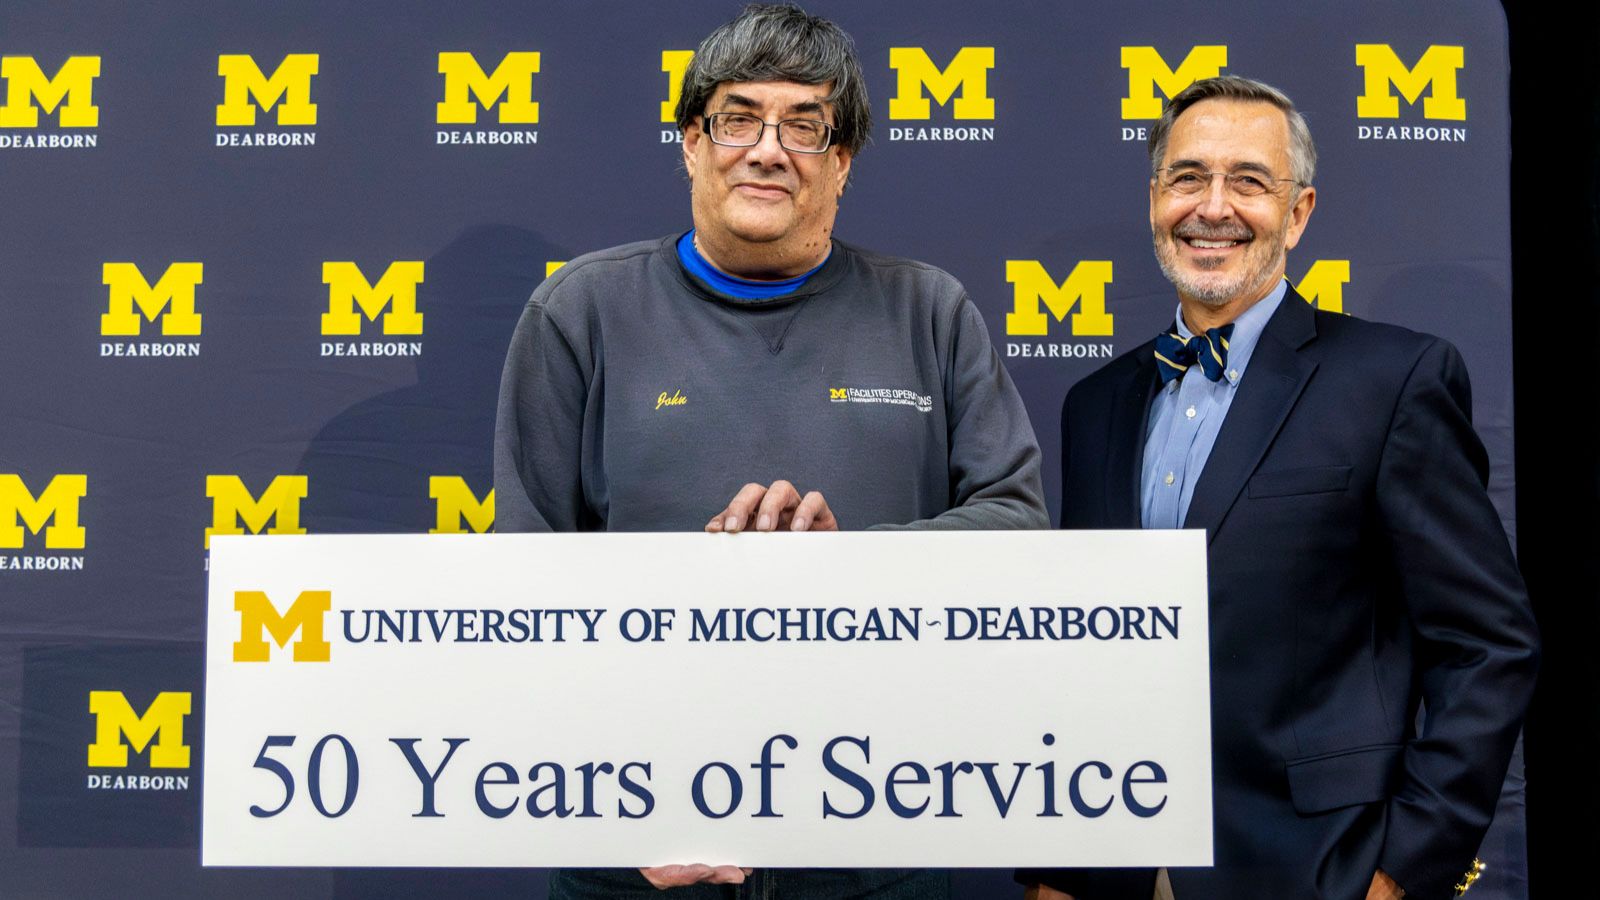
1384,888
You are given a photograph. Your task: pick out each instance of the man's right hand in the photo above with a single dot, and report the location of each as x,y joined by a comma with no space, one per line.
663,877
1044,892
779,507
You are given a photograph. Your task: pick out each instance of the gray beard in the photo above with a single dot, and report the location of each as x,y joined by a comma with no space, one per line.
1210,293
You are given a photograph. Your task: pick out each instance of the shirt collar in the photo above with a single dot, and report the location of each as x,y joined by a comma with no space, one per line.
1246,332
739,288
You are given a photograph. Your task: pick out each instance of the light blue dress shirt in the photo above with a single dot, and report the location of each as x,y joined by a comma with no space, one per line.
1187,415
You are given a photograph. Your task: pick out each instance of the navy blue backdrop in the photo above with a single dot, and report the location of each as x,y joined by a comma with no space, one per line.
131,201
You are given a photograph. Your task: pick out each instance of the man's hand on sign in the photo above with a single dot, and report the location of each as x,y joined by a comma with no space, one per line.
1044,892
663,877
776,508
1384,888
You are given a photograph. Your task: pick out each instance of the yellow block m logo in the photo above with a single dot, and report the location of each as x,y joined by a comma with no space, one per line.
1147,70
58,501
455,501
838,393
349,289
257,615
26,84
674,63
1323,284
289,89
968,72
162,722
1437,67
231,502
1085,288
513,78
173,291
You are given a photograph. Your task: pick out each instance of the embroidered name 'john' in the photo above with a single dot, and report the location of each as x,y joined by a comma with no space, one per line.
675,399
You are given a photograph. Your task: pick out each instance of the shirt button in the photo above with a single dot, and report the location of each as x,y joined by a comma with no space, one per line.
1189,412
1233,374
1169,479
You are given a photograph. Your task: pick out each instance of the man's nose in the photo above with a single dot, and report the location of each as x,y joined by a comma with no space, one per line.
767,152
1215,202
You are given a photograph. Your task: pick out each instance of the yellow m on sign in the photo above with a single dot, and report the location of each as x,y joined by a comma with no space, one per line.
259,618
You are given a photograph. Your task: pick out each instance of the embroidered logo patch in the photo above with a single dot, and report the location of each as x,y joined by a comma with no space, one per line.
893,396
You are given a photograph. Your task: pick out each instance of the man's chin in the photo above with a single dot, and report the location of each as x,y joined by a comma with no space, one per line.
1207,287
1218,293
758,233
1212,301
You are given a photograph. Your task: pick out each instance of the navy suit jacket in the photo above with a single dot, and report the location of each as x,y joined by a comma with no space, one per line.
1356,570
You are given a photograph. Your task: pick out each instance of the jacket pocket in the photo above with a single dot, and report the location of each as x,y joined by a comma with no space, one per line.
1310,480
1327,782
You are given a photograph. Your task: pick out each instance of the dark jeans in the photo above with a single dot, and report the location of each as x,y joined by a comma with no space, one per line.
765,884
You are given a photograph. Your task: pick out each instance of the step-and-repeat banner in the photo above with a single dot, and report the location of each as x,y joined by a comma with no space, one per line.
260,263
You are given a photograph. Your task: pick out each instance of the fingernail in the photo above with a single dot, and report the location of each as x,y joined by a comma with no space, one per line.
765,523
732,524
802,524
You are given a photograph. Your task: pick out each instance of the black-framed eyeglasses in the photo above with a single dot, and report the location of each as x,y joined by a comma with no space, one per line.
1193,180
796,135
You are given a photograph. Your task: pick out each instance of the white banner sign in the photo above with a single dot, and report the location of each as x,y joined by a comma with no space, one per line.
863,699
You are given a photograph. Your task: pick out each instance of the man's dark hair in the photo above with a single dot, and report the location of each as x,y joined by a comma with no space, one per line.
1302,152
781,43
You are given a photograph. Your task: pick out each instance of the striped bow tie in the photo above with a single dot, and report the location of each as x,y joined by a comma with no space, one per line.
1174,355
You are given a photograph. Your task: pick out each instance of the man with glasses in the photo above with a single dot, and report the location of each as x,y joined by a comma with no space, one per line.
756,374
1356,566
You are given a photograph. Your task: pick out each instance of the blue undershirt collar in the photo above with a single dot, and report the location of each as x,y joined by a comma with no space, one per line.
741,288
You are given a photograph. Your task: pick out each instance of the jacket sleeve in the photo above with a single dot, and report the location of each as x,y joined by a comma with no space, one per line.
539,426
994,455
1476,641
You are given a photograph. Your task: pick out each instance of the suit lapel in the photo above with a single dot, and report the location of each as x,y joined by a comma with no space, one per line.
1277,375
1130,414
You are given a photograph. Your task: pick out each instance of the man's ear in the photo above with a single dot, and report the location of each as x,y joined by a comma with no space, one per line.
1299,215
1154,189
692,135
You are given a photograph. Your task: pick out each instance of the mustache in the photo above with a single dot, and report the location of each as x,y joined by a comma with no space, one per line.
1237,231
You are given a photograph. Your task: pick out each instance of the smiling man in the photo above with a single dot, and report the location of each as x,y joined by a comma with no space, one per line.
1356,567
755,374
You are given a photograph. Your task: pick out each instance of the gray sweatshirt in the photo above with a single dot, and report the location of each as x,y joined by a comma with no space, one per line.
635,398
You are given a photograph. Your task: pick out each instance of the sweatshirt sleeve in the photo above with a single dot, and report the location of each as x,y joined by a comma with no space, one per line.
994,454
539,425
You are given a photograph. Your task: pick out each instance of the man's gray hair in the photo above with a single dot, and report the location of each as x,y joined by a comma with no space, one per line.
1302,152
781,43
